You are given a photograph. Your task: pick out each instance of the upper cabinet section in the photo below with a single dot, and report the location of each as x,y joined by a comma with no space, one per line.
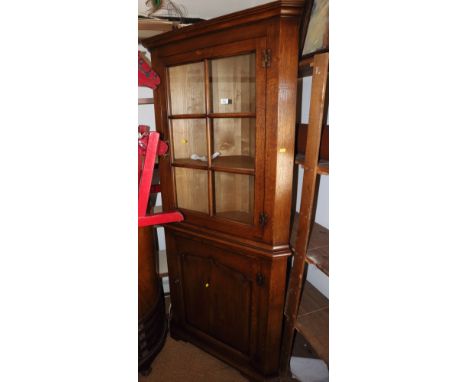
226,106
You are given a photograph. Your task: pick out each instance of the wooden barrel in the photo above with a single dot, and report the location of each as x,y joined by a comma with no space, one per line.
152,324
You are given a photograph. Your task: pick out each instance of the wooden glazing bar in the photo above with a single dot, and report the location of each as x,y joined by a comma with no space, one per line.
208,138
172,179
231,115
187,116
187,163
212,115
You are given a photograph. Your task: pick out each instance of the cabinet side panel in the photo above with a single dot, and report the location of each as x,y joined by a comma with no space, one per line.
281,91
276,284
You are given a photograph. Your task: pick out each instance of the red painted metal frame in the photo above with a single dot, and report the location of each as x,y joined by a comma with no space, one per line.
147,173
161,218
149,145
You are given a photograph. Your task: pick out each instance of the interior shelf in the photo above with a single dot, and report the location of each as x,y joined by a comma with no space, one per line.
317,251
190,163
312,320
322,168
241,164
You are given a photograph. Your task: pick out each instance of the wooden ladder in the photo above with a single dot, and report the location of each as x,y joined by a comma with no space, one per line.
313,324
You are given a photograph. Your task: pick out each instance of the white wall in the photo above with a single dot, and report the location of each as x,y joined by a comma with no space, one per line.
207,9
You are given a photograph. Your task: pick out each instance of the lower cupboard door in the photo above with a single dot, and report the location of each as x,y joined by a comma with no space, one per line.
218,298
195,283
231,297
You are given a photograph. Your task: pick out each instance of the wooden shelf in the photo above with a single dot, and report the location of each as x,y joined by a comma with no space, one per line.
299,159
152,27
317,251
322,168
145,101
190,163
301,139
240,164
312,320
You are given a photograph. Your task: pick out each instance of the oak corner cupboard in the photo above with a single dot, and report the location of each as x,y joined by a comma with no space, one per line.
226,106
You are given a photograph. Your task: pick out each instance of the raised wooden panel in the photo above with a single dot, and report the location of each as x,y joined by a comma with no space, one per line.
218,292
196,278
187,88
231,304
232,82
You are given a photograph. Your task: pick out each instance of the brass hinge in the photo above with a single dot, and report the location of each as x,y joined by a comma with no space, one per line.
266,63
263,219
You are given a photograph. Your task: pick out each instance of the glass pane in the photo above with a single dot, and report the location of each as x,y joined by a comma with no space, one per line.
189,138
192,189
187,87
234,196
234,140
232,82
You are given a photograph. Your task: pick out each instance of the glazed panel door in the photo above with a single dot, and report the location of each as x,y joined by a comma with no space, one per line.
217,133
